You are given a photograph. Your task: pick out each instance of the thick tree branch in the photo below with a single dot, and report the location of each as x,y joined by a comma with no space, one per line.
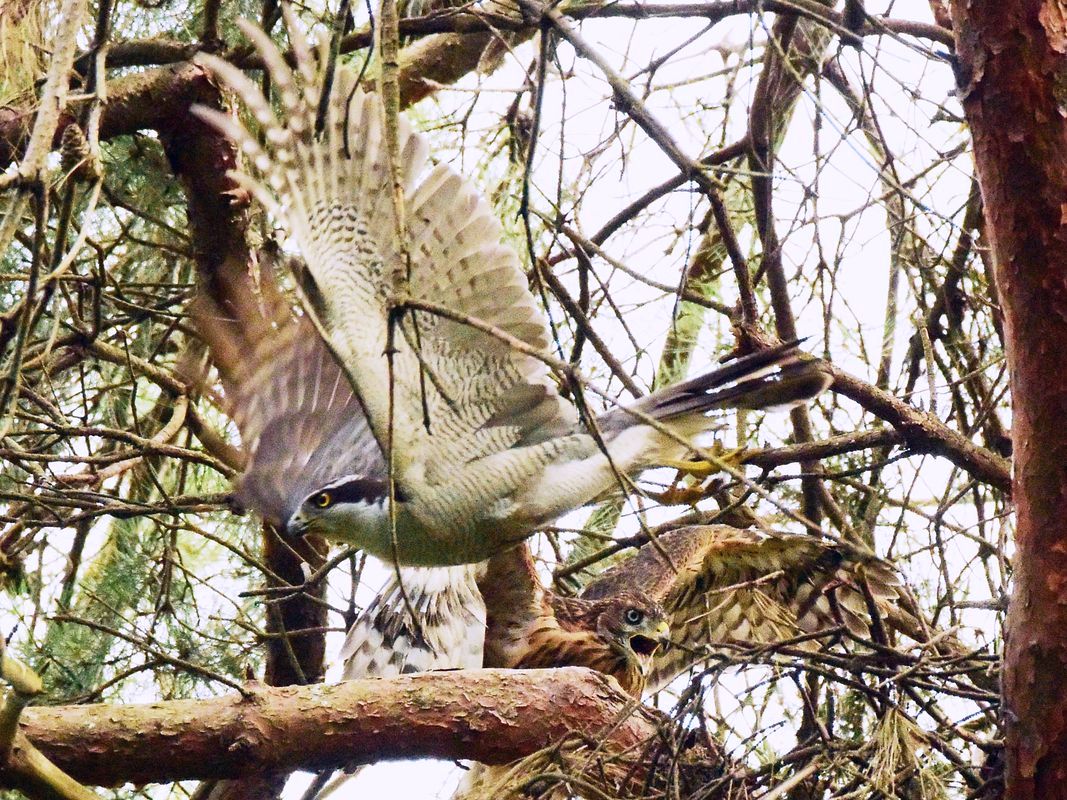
493,716
151,100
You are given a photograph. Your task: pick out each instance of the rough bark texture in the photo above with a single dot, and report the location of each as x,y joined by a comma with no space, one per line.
493,716
156,99
1012,75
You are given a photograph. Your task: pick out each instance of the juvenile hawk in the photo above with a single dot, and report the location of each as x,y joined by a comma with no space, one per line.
646,620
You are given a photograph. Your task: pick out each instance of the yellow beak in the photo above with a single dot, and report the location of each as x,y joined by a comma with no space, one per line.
652,640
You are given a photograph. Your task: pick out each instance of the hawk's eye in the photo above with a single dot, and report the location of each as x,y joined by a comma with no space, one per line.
322,500
633,616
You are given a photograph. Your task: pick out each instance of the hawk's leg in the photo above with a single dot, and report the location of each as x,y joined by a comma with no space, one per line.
722,458
679,493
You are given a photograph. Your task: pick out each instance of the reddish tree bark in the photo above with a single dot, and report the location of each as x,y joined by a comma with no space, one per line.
493,716
1011,72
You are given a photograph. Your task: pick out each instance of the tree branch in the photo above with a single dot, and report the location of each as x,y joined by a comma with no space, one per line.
492,716
925,433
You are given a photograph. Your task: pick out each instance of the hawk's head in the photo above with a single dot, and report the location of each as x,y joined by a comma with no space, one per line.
634,626
340,510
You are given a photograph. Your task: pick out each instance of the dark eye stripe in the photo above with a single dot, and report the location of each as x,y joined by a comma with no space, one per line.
362,490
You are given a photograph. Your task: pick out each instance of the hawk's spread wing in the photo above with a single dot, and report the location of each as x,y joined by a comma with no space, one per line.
459,394
302,427
733,585
300,423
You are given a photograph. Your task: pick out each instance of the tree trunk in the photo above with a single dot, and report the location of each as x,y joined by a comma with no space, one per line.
1012,73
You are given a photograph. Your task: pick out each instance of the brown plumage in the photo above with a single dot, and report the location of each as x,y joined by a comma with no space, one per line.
717,585
723,585
618,636
530,627
714,584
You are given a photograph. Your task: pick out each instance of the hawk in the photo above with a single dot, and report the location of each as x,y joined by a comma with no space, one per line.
723,585
497,614
708,585
704,584
445,351
283,388
644,621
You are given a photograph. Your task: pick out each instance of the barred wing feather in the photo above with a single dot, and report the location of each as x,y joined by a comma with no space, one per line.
301,425
453,386
722,584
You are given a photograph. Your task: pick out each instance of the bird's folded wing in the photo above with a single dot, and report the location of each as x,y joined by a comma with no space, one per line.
722,584
515,605
301,425
457,393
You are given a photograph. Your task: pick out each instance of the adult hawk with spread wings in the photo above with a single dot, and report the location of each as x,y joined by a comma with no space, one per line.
484,450
715,584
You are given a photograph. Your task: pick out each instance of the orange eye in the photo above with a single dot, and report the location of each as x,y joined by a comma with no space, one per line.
322,500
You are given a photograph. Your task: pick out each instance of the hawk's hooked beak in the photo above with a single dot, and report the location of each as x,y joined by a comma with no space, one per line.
655,640
297,526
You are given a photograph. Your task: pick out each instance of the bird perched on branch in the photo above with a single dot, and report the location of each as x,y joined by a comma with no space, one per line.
446,352
524,627
708,585
301,421
644,622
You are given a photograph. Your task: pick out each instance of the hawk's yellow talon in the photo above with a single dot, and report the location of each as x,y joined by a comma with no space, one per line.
678,495
697,469
705,468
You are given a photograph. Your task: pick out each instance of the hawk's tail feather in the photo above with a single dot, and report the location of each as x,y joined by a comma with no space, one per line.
774,378
779,377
